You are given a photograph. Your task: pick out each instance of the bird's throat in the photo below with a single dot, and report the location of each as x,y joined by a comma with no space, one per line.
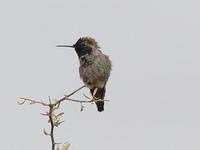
83,51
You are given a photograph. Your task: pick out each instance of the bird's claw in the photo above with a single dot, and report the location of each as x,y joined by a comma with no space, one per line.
93,98
94,92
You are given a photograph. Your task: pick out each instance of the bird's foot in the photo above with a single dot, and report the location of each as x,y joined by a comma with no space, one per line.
92,99
94,92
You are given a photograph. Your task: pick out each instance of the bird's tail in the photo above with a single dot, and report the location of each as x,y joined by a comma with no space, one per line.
100,93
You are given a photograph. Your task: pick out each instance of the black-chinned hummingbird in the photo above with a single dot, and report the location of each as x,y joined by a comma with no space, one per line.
94,68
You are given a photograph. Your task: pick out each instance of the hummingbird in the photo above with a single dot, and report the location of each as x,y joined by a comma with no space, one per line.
94,69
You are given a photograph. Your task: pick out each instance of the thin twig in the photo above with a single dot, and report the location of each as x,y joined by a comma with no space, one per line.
79,101
52,127
67,96
75,91
32,101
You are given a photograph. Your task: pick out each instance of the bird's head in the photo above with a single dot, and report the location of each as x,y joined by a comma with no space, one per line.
84,45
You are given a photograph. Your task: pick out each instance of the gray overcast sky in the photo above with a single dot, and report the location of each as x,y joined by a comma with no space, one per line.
153,89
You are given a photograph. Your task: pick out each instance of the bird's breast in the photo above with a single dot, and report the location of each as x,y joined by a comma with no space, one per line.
94,71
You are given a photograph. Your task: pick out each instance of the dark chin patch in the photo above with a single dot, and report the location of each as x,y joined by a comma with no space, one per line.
83,51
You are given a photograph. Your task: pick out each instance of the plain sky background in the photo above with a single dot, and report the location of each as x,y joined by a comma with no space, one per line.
153,89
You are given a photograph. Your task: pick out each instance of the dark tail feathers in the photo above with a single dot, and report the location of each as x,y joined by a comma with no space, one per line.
99,95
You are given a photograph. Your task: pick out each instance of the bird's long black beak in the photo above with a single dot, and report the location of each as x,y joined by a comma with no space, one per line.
72,46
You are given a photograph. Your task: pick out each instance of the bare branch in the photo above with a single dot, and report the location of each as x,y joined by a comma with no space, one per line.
31,101
79,101
75,91
67,96
52,127
54,119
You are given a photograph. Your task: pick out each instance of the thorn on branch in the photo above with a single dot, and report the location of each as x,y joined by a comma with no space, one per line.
82,107
60,114
21,103
46,114
45,132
